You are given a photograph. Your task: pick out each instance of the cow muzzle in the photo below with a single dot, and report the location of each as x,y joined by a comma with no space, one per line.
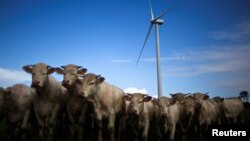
134,112
36,84
164,115
83,94
66,83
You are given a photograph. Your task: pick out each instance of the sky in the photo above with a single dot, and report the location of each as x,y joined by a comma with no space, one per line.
205,44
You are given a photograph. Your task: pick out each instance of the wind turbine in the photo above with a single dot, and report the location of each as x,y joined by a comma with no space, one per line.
155,21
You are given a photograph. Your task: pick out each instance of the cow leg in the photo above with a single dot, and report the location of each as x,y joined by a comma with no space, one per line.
81,122
24,124
25,119
71,124
172,132
122,128
40,123
98,119
111,125
52,121
145,130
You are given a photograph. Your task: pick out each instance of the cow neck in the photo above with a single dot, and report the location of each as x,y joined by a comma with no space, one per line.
141,110
75,89
45,89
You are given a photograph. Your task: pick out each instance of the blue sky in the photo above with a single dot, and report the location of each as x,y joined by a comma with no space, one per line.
205,44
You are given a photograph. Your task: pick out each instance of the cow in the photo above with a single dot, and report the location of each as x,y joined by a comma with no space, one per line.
140,110
231,109
187,109
175,112
157,120
18,101
208,112
106,99
76,106
50,97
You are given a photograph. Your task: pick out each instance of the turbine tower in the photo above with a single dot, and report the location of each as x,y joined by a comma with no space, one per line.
155,21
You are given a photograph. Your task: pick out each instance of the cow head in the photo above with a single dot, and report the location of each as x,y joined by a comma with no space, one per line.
40,73
178,96
70,74
218,99
199,95
164,105
136,102
90,83
190,104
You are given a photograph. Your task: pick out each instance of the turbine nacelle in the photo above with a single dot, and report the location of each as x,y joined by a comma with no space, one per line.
157,21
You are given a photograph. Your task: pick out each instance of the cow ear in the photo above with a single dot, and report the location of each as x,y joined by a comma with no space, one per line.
127,97
155,101
28,68
147,98
205,97
59,70
82,71
51,70
172,102
100,80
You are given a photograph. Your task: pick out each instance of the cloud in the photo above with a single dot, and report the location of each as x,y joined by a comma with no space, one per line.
221,35
10,77
238,32
136,90
178,57
121,61
218,59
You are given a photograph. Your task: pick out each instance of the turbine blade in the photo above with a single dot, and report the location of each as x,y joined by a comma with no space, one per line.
149,30
151,10
165,12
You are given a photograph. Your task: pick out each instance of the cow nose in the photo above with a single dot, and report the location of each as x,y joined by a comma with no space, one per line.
65,81
36,82
82,94
164,114
134,111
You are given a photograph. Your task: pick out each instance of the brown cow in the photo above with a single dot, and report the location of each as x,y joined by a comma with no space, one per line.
171,114
231,109
187,108
140,110
76,106
209,112
50,96
107,101
18,100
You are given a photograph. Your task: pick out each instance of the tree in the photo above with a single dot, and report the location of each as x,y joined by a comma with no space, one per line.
244,96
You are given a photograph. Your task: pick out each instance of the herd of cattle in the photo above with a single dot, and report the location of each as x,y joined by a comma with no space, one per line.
88,106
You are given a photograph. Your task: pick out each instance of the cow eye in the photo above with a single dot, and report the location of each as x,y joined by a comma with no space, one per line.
140,101
44,73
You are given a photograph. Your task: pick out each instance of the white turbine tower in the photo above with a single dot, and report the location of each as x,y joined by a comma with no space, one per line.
155,21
